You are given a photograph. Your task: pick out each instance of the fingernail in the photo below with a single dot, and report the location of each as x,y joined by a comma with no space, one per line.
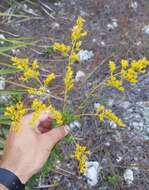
67,129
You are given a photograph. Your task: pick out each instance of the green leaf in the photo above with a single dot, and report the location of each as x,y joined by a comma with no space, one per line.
8,48
14,15
5,120
11,92
8,71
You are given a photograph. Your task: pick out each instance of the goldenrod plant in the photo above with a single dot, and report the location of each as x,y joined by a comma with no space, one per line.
30,71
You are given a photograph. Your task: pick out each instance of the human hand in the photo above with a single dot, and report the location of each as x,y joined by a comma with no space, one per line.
26,151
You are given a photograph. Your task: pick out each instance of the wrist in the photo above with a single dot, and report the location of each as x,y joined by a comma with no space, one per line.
17,171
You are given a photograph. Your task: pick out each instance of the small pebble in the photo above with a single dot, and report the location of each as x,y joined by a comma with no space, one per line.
92,172
128,176
2,37
79,76
146,29
85,55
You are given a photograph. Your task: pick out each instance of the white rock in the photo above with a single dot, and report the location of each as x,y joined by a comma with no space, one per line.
134,5
94,40
2,83
113,125
15,51
57,3
102,43
125,104
92,172
85,55
119,158
110,102
138,43
79,76
113,24
2,37
74,125
96,104
146,29
107,144
55,25
3,98
77,124
128,176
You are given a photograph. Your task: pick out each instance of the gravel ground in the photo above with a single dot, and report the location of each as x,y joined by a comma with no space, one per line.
117,29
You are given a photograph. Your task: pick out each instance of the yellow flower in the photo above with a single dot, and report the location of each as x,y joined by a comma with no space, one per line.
77,30
20,63
56,115
112,66
38,107
61,47
80,154
124,63
37,91
80,21
35,64
28,71
74,57
104,113
49,78
16,113
114,82
68,80
78,46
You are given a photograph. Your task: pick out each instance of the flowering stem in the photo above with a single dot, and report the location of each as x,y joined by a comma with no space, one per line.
90,114
69,63
16,84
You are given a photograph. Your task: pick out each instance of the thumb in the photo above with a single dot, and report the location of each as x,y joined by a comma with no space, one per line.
55,135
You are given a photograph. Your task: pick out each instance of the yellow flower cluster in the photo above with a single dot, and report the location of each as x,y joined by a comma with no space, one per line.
80,154
104,113
77,30
38,107
128,72
61,47
56,115
49,78
68,79
113,81
29,71
36,91
71,51
16,113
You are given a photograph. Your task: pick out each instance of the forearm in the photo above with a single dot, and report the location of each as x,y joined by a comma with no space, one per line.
3,187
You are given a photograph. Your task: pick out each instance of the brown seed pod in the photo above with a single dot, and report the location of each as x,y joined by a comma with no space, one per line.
46,125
